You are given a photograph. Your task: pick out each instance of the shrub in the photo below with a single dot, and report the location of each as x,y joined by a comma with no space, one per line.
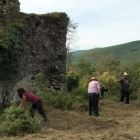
12,113
62,102
135,80
109,81
18,120
84,106
51,97
85,67
112,97
80,92
72,81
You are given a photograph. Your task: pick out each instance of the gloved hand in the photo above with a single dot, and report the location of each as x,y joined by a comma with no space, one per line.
100,96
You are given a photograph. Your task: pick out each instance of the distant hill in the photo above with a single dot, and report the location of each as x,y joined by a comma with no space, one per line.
80,51
130,58
126,53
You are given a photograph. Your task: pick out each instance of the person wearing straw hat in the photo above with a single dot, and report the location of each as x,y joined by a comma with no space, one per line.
125,83
94,93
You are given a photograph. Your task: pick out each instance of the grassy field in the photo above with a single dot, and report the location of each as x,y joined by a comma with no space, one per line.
116,122
127,53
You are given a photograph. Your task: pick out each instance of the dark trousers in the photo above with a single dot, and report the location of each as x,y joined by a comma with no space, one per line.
93,103
38,105
124,93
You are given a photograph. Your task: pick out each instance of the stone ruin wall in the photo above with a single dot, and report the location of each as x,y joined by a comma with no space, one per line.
8,9
44,45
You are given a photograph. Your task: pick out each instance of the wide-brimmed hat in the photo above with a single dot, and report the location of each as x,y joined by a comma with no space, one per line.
125,73
94,78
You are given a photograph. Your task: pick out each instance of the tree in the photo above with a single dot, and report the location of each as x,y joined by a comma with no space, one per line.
85,67
105,63
135,79
71,40
72,80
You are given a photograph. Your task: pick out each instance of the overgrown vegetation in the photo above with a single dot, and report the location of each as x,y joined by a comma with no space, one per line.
72,80
10,51
107,70
51,97
18,121
134,72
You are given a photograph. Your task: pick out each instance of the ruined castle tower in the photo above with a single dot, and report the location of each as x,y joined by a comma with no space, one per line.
44,43
8,9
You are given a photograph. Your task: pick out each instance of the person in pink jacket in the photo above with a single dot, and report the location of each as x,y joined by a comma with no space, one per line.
36,101
94,93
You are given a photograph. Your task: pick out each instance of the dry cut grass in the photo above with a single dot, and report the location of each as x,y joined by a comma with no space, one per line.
116,122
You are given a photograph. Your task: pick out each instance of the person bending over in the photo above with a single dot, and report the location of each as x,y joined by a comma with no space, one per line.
36,104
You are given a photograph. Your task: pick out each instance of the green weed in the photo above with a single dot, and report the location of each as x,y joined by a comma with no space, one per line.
18,121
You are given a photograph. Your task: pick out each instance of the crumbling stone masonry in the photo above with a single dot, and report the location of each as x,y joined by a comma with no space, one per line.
8,9
44,50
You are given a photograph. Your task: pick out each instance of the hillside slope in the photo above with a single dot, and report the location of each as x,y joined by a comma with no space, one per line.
130,58
116,122
119,51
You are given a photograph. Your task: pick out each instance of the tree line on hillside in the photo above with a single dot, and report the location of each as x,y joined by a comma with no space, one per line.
107,69
127,53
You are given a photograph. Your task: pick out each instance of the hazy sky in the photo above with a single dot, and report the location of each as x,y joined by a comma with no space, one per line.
101,23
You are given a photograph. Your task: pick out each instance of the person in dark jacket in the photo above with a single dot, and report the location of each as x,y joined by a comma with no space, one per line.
125,83
103,90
